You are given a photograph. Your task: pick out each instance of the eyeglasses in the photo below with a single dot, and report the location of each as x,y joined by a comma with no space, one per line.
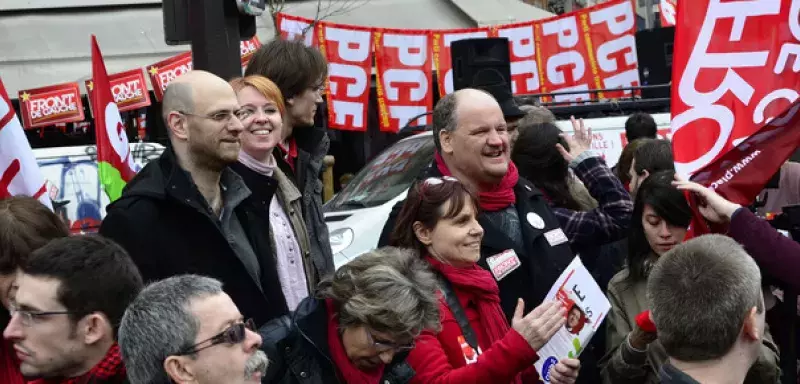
232,335
27,317
386,346
218,117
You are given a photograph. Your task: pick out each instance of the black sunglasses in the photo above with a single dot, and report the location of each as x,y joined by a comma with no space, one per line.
232,335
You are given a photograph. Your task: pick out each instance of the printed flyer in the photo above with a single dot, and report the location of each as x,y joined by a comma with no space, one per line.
586,308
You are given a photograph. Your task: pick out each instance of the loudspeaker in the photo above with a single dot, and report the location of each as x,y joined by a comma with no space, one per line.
654,51
176,21
485,64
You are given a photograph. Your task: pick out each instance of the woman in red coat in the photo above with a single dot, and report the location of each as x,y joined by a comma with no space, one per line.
439,219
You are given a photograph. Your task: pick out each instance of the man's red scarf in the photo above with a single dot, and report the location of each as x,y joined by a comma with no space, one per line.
345,368
491,198
289,151
110,370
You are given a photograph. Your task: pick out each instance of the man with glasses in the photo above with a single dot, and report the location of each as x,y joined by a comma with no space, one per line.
360,327
71,295
185,329
187,212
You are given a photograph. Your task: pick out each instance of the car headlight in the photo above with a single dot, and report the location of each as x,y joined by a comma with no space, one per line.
341,239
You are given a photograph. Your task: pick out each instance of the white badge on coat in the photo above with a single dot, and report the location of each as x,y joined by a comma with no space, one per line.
535,220
555,237
503,263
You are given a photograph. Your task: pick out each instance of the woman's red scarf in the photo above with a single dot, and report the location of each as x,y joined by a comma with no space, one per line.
478,285
346,369
496,197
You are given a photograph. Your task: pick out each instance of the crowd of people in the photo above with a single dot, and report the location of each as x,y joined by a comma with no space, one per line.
214,266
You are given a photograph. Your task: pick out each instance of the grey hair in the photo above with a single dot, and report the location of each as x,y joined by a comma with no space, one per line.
444,117
700,293
389,290
159,324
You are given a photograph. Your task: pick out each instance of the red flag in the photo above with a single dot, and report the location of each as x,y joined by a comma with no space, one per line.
114,160
735,69
19,171
667,10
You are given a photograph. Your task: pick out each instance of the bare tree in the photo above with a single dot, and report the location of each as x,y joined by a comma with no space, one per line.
325,10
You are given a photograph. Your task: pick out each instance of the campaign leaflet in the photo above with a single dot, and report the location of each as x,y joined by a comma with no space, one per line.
586,305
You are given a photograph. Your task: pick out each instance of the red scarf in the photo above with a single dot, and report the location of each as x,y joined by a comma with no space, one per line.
110,370
289,151
344,367
478,285
494,197
9,365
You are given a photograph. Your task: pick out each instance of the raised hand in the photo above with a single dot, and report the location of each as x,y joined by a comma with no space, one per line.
579,142
538,326
713,207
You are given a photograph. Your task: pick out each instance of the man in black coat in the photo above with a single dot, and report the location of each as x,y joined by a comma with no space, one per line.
188,213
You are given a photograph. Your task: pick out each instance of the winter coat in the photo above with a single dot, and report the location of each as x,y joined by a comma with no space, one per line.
297,347
446,357
312,146
168,228
623,365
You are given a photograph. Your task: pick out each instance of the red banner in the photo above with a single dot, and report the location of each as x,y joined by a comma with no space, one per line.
248,48
163,72
441,53
42,107
611,30
297,28
522,52
735,67
563,57
403,61
128,88
349,53
667,8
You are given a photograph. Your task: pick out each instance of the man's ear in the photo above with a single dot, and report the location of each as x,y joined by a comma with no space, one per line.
95,327
290,102
178,125
446,140
423,234
179,370
645,174
750,329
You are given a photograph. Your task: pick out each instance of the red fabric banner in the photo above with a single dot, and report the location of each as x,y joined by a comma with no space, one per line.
247,48
297,28
611,40
19,171
563,57
403,61
735,67
522,51
128,88
349,53
441,53
164,71
667,8
46,106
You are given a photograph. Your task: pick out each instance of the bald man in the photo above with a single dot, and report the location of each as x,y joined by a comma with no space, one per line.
187,212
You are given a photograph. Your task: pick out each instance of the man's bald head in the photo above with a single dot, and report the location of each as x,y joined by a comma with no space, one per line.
182,92
445,116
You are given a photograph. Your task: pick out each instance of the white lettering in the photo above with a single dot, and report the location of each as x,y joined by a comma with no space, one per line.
54,105
413,76
126,91
625,79
448,40
524,73
786,50
404,113
117,135
567,30
294,31
722,115
348,71
412,49
618,17
575,96
785,93
353,45
342,109
559,63
625,43
167,76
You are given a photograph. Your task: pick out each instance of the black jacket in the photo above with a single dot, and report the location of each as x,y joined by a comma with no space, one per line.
168,228
297,347
541,264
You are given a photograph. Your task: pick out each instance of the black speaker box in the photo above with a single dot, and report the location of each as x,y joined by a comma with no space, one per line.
478,63
654,51
176,21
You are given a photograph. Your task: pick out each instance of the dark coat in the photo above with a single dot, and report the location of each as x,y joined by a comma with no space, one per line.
312,146
297,347
168,228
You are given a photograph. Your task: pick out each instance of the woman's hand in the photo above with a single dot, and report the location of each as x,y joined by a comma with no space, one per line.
579,142
538,326
713,207
565,372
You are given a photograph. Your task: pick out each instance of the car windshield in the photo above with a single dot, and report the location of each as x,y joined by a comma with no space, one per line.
386,176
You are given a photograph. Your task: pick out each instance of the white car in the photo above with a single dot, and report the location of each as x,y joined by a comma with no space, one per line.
356,216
